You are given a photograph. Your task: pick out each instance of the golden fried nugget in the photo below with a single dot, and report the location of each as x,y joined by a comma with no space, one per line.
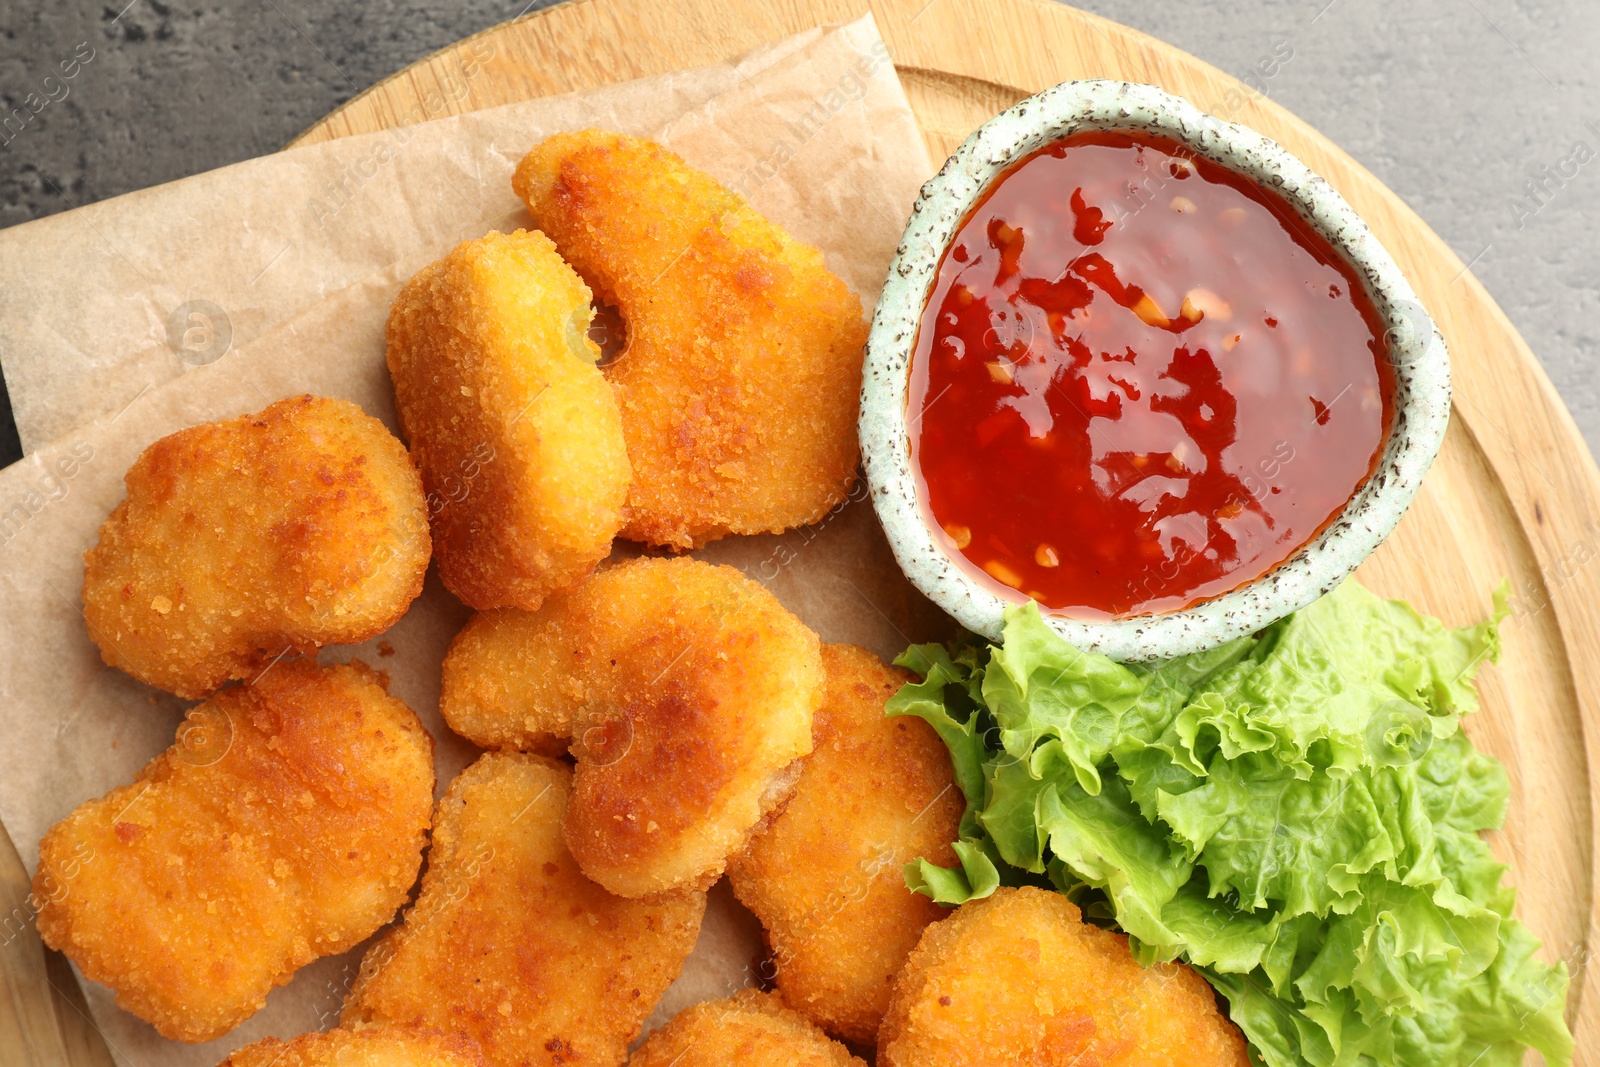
399,1047
1020,978
510,945
687,691
740,380
826,877
749,1029
517,433
286,823
301,526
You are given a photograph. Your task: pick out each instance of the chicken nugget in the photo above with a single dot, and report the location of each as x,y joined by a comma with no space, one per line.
509,944
687,691
515,429
740,379
399,1047
301,526
286,823
826,877
750,1029
1021,978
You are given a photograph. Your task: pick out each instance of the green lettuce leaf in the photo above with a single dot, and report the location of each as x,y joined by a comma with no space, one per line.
1295,813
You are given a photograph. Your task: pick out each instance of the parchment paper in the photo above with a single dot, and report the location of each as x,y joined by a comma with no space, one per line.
91,300
814,130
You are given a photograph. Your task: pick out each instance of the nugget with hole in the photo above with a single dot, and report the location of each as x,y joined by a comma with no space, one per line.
739,382
286,823
516,431
687,692
300,526
825,878
509,944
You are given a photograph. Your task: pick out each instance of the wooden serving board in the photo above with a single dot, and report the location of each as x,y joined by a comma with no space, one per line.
1515,493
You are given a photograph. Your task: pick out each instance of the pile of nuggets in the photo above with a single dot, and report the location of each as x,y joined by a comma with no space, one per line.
649,726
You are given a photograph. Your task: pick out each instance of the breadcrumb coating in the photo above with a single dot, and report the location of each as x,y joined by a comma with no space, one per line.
300,526
286,823
826,878
750,1029
517,433
687,691
1020,978
510,945
740,381
360,1048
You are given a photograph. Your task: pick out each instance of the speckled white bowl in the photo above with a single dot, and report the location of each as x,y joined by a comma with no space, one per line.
1422,373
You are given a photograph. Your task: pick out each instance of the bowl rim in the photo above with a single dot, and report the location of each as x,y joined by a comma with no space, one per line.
1417,354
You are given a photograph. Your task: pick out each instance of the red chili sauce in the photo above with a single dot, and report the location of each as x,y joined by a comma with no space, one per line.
1141,380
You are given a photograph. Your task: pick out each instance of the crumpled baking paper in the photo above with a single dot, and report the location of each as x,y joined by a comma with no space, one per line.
216,295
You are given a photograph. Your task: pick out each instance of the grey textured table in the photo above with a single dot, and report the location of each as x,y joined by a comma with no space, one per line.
1483,114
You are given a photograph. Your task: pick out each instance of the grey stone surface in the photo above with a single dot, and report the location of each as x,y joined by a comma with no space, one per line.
1456,104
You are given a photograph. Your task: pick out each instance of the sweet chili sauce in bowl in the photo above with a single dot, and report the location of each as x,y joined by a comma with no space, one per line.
1145,369
1140,379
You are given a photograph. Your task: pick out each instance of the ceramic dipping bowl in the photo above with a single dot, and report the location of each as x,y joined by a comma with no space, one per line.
1421,388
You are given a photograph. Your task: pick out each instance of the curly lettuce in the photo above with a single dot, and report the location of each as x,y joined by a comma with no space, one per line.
1295,813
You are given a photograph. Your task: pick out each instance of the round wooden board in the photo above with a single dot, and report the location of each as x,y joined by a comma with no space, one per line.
1514,494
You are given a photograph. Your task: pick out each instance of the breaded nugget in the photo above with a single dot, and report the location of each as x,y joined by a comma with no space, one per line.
298,527
826,877
506,684
516,431
399,1047
510,945
749,1029
286,823
688,693
740,379
1020,978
